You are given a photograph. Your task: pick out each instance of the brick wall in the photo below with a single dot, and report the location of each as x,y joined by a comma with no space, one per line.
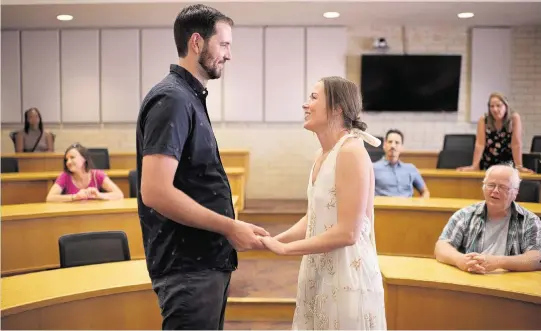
282,154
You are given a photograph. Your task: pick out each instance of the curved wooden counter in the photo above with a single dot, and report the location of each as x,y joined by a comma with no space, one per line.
32,187
420,294
425,294
411,226
30,232
450,183
111,296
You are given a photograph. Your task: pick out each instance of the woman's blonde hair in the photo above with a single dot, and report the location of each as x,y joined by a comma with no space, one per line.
507,123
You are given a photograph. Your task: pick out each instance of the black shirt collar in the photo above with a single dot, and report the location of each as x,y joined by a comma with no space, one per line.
193,82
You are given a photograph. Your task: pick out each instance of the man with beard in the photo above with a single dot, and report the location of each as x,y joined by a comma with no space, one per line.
393,177
185,204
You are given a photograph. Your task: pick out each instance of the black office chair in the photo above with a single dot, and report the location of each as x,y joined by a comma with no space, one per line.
80,249
9,164
376,155
132,179
536,144
532,161
13,136
459,142
528,191
452,159
100,158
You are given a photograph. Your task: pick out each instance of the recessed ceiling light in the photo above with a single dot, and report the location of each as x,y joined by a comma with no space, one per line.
331,14
64,17
465,15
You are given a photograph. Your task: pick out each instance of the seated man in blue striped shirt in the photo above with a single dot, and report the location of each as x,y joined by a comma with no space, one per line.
393,177
493,234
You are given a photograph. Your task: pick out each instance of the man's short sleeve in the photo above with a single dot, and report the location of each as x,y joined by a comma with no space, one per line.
418,181
166,127
453,232
531,239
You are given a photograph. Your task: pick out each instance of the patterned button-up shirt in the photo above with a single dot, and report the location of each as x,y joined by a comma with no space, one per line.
466,228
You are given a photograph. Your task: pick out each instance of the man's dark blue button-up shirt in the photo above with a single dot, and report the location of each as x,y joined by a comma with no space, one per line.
174,121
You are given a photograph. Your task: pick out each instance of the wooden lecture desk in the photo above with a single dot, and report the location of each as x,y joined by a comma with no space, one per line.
450,183
32,187
421,159
35,162
420,294
30,232
404,227
411,226
423,294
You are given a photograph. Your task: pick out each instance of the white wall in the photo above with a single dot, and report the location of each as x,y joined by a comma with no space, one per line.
282,153
100,76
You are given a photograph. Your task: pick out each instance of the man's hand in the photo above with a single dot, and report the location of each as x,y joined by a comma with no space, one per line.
487,262
245,236
468,263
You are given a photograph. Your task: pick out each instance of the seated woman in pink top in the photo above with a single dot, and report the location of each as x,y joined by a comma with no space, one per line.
80,182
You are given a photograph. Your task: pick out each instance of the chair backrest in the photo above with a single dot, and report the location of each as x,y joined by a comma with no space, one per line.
80,249
132,179
100,158
529,191
452,159
532,161
376,155
13,136
536,144
461,142
9,164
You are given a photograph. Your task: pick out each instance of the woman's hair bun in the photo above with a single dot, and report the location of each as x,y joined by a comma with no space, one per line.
358,124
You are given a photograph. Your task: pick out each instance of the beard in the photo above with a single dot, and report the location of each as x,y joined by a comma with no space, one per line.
206,61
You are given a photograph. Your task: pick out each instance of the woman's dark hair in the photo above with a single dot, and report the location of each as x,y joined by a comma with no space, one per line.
199,19
344,94
84,153
27,124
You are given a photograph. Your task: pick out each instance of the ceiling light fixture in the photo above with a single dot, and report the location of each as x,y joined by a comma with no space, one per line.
465,15
64,17
331,14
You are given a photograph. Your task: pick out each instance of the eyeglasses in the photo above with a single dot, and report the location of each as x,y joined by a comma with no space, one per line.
501,188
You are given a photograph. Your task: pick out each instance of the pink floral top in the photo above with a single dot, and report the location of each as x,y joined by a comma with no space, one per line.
68,187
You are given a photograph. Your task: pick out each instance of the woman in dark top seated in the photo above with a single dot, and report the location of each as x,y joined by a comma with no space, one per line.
499,137
33,138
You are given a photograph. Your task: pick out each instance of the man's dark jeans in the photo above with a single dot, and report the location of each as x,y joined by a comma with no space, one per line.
192,300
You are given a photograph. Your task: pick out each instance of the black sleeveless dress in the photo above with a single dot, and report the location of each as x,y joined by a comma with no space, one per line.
497,147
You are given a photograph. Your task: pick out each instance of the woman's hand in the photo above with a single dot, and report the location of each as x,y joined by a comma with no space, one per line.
468,168
525,170
81,195
274,245
94,193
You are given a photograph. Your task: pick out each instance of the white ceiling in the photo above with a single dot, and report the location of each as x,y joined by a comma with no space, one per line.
20,14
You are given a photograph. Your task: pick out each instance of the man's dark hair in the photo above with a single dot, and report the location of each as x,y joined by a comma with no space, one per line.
398,132
196,19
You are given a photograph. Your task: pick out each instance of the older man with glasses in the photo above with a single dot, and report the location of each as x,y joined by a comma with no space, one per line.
494,234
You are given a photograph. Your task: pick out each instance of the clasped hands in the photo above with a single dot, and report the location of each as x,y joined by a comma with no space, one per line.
478,263
90,193
245,236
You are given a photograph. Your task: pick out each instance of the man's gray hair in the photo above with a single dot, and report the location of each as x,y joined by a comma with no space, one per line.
515,175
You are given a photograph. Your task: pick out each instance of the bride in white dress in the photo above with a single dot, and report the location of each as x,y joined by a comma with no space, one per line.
340,285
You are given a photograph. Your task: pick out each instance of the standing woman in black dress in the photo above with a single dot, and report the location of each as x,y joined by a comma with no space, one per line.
499,137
